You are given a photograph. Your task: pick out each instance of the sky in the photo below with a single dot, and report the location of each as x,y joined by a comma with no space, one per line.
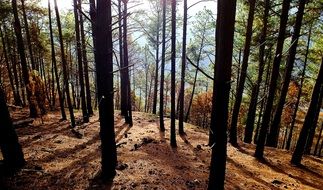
67,4
62,4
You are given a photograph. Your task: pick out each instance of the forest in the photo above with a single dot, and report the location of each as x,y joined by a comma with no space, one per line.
161,94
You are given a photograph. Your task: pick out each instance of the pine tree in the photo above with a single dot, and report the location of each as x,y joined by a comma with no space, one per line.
64,65
104,68
243,75
273,81
23,61
221,91
309,119
173,64
162,71
274,129
13,157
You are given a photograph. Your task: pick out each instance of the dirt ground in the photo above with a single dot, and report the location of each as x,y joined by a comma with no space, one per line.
58,158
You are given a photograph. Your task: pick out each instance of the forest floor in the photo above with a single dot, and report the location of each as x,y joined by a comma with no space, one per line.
58,158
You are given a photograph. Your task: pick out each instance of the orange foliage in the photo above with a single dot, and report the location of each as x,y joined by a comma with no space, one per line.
290,103
201,109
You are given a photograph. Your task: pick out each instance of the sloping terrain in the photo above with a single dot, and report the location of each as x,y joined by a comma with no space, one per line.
59,158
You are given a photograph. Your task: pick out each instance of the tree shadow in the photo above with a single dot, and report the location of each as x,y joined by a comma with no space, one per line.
124,133
307,169
53,128
162,136
69,175
250,174
173,158
302,179
84,125
121,128
249,151
194,150
244,150
69,151
97,183
320,161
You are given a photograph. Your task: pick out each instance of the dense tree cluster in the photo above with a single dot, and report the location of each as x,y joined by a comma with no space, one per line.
251,68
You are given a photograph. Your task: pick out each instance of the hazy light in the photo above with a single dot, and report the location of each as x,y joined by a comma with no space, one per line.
62,4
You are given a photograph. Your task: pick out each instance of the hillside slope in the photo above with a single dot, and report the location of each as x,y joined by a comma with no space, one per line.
57,159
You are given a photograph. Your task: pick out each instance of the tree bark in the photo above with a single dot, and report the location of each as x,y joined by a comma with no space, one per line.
243,75
123,89
80,61
173,73
255,92
104,69
157,64
13,84
15,75
182,88
195,76
318,140
309,118
33,65
60,97
23,62
273,136
85,62
13,156
310,138
221,91
273,81
64,65
125,69
93,19
162,71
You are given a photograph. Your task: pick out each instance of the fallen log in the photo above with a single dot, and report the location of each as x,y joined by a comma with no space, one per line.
14,107
23,123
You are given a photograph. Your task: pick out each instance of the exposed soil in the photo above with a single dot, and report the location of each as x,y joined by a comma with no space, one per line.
59,158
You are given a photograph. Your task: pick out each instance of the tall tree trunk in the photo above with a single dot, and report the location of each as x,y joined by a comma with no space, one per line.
299,94
93,19
265,96
182,88
15,75
123,91
309,118
33,66
80,61
221,91
318,140
21,83
15,89
13,156
104,68
243,74
310,138
195,75
320,151
146,82
173,73
60,96
157,63
273,136
273,81
254,96
52,79
64,65
86,67
125,69
162,71
24,67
